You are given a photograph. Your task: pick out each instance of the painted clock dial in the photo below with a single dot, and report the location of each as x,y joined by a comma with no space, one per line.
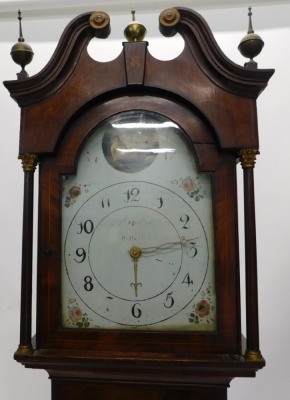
137,230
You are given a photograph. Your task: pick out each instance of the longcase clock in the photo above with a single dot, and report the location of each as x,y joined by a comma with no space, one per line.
138,290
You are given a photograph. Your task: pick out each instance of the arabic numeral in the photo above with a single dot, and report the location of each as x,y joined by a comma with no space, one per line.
169,300
136,310
187,280
106,203
192,250
88,286
185,220
81,255
87,227
160,202
132,195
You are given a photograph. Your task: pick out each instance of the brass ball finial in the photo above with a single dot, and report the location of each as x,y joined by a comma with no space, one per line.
251,44
21,52
135,31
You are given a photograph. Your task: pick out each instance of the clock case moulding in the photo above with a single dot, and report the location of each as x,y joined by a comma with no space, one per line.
59,107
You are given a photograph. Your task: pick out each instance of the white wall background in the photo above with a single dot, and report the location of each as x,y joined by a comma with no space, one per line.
272,176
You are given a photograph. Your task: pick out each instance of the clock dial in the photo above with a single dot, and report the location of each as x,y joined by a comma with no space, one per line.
137,235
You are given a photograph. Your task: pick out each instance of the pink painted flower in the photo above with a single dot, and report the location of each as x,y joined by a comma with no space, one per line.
74,192
202,308
188,184
75,314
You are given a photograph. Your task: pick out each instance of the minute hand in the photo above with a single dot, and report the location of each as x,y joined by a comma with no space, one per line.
165,246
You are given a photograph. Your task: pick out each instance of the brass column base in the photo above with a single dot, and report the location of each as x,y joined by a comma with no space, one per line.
253,356
23,351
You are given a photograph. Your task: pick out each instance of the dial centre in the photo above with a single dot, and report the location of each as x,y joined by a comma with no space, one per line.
135,252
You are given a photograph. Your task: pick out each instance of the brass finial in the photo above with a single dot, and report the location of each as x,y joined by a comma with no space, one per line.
135,31
251,45
21,52
100,22
168,21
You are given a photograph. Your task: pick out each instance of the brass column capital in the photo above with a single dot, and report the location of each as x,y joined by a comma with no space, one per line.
29,162
248,157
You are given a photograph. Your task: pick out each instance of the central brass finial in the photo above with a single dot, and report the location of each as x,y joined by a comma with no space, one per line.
135,31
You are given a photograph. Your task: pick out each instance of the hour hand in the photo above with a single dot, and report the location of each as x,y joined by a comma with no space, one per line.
135,253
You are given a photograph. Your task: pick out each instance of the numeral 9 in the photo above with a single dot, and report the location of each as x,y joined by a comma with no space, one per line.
81,254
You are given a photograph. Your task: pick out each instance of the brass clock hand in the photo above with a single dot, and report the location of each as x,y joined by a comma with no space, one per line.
135,253
166,246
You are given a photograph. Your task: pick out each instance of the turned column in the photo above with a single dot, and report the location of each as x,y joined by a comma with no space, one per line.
247,159
29,163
